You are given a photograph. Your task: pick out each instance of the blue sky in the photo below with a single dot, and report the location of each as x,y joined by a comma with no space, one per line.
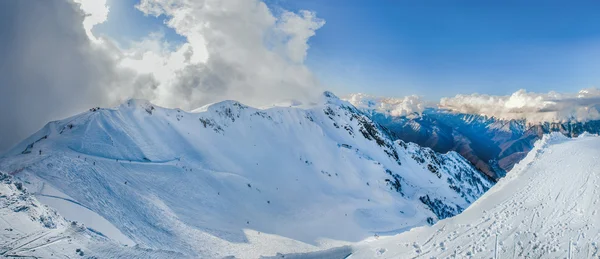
432,48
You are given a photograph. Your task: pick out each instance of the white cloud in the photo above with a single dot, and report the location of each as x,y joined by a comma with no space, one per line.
521,105
235,49
96,12
405,106
533,107
299,28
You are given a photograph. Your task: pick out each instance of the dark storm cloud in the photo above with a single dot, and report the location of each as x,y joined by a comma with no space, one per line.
47,69
50,70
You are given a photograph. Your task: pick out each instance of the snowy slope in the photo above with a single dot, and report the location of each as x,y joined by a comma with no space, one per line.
229,179
32,230
548,199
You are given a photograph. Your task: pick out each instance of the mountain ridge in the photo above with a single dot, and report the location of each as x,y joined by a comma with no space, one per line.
326,166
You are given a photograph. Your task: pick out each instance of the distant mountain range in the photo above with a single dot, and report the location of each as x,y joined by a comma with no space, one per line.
492,145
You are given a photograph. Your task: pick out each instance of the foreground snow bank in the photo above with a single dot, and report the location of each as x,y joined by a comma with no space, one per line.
550,199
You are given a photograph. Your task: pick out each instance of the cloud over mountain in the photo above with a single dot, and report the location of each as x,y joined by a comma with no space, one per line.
521,105
533,107
55,66
404,106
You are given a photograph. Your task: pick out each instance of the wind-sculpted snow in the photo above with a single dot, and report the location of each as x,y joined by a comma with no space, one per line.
232,180
550,199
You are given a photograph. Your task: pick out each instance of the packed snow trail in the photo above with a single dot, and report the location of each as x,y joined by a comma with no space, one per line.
549,199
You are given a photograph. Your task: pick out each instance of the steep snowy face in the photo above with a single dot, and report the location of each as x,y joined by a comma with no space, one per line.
547,203
209,183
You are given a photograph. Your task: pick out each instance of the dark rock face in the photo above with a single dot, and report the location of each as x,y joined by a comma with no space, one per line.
493,146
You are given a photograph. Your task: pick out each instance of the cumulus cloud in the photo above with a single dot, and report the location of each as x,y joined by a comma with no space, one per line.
235,49
54,66
532,107
96,12
521,105
404,106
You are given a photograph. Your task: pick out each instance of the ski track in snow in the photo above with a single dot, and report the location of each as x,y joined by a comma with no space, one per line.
548,200
29,229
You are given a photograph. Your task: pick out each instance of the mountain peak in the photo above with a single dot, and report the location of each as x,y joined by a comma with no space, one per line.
134,102
331,95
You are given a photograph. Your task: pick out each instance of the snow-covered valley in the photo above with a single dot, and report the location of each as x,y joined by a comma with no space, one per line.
232,180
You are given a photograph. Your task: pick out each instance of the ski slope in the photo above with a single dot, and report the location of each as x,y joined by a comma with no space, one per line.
30,229
232,180
549,199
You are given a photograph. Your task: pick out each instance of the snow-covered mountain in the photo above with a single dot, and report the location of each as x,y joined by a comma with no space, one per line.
548,201
232,180
492,145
